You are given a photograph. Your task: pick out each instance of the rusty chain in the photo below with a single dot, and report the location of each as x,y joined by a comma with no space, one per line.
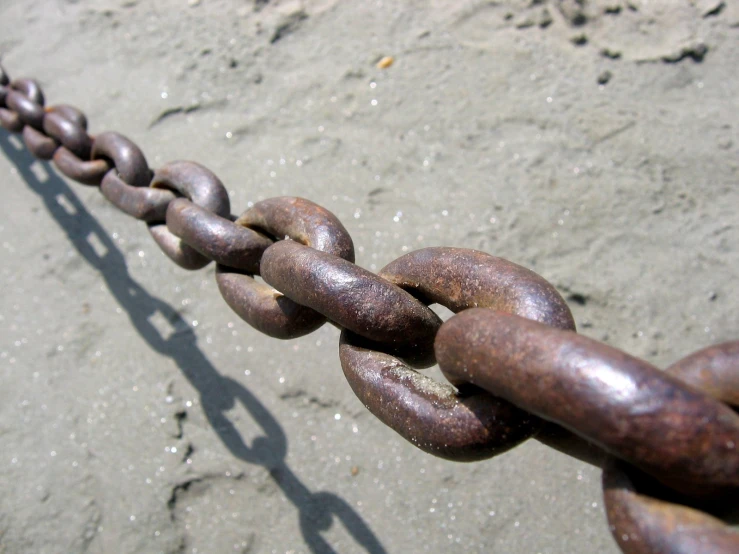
668,441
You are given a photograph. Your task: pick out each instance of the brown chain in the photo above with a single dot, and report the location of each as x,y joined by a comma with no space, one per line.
668,442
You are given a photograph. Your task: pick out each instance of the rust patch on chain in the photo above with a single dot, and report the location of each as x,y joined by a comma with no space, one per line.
435,417
301,220
127,159
260,305
71,114
84,172
215,237
714,370
30,112
460,279
40,145
199,185
646,518
68,126
144,203
264,308
126,185
439,419
24,94
130,175
622,404
353,298
61,125
30,89
10,120
642,524
25,98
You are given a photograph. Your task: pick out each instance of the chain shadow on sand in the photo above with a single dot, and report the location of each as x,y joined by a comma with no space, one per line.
218,393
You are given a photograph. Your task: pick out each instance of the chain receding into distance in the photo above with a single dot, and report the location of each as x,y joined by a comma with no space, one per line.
668,441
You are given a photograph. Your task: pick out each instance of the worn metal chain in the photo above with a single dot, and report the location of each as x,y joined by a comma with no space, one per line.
668,441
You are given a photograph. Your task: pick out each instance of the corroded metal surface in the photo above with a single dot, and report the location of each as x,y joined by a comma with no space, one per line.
30,112
642,524
69,113
202,187
60,125
437,418
30,89
353,298
127,159
301,220
11,121
714,370
460,279
176,250
260,305
21,102
40,145
433,416
264,308
215,237
69,127
144,203
646,518
623,404
84,172
195,182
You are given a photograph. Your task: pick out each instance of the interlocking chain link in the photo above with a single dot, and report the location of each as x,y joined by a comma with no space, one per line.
668,441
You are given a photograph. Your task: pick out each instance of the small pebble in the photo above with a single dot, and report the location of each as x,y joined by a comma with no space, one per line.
604,77
385,62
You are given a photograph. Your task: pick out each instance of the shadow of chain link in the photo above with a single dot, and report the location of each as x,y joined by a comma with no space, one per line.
218,393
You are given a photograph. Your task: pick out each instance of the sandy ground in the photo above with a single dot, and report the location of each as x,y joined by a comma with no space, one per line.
594,142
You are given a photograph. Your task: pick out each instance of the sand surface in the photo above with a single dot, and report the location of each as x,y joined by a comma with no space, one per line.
594,142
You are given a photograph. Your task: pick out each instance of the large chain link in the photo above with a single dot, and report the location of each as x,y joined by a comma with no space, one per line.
668,441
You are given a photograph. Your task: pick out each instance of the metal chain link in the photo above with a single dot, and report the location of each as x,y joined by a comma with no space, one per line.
668,441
